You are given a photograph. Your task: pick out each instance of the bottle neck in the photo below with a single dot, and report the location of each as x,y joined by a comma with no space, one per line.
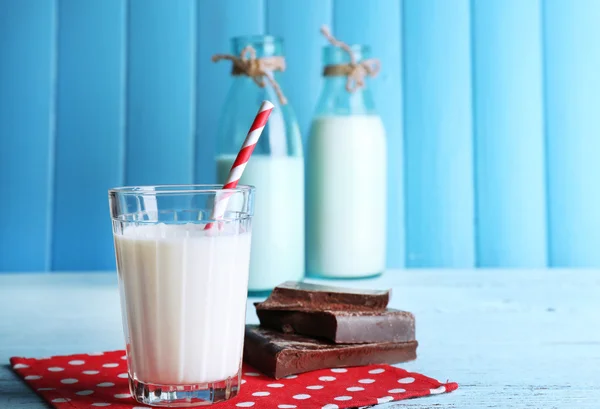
336,100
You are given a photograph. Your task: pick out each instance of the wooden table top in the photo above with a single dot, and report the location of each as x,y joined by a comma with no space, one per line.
510,338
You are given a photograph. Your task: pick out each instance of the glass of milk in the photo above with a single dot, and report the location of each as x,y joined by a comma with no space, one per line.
276,169
183,290
346,178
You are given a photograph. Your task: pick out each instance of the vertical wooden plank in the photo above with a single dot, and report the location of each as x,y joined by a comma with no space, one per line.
509,136
218,22
27,94
298,23
438,134
379,25
161,91
572,86
90,131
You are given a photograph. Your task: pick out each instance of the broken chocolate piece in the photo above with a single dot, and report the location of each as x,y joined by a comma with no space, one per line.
299,296
344,327
279,355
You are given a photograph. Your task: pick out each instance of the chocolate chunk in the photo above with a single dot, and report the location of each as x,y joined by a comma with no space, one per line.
298,296
278,355
344,327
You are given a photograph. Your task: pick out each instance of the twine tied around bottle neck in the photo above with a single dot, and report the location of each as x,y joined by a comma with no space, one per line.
256,68
355,72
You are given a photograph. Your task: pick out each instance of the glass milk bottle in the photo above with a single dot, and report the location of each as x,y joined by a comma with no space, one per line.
276,167
346,172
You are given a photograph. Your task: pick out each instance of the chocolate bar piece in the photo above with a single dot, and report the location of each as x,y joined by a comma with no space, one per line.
298,296
278,355
344,327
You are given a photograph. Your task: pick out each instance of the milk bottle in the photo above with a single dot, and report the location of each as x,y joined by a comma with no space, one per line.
346,171
277,165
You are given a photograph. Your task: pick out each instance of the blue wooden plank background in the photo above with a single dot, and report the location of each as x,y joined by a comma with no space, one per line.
491,109
27,130
90,130
509,135
161,92
438,134
572,86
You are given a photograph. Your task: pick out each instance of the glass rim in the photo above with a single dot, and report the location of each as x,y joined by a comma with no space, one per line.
180,189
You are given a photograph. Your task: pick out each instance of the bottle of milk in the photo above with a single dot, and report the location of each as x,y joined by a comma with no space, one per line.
346,170
276,168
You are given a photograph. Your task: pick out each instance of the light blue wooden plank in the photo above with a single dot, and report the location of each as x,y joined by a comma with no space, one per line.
27,92
90,137
438,134
218,22
298,22
572,81
379,25
161,91
509,135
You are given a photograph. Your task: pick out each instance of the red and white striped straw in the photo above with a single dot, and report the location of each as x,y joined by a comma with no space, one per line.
260,120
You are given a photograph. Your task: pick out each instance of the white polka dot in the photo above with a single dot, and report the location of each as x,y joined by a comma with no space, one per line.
251,374
397,390
56,369
275,385
45,389
90,372
68,381
406,380
96,353
101,404
261,393
123,375
122,396
124,357
286,406
110,365
140,407
60,400
339,370
330,406
385,399
243,381
376,371
301,396
32,377
342,398
327,378
315,387
105,384
20,366
76,362
366,380
355,389
437,391
291,377
84,393
244,404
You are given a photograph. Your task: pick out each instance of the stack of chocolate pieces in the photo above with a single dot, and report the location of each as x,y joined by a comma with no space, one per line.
305,327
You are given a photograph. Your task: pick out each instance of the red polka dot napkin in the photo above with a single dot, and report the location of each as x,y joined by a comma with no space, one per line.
100,380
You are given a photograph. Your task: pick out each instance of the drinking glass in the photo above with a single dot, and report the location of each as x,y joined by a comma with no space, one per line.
183,280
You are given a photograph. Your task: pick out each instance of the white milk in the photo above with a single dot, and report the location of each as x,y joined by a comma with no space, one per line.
346,196
184,302
278,221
